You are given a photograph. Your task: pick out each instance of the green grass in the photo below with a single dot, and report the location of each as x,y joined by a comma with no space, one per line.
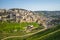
53,36
49,34
7,28
40,34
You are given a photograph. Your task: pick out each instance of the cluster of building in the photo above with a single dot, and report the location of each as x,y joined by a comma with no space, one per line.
17,15
22,15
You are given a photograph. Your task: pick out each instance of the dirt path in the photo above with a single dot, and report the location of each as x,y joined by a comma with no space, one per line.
23,35
49,34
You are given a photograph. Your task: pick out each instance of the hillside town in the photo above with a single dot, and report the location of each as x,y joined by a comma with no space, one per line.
22,15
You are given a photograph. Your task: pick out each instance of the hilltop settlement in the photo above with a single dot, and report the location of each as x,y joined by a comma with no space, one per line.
22,15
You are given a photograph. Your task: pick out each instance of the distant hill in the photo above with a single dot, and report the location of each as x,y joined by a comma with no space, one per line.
54,14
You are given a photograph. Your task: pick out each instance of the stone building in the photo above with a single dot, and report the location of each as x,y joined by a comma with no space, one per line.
29,28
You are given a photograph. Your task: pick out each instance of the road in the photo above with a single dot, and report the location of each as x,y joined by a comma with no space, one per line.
49,34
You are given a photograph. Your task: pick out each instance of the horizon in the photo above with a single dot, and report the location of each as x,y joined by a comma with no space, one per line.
33,5
30,10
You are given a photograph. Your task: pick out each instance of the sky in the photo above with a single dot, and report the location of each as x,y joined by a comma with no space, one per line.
34,5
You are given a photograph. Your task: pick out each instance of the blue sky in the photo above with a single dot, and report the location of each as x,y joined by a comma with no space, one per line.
31,4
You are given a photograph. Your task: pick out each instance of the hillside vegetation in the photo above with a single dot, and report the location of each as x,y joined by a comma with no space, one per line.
45,35
12,29
49,34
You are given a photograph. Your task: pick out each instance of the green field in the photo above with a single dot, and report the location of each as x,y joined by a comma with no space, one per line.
15,29
7,30
8,27
47,34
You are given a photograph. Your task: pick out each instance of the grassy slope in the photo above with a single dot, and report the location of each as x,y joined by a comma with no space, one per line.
44,35
12,26
7,29
49,34
54,36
